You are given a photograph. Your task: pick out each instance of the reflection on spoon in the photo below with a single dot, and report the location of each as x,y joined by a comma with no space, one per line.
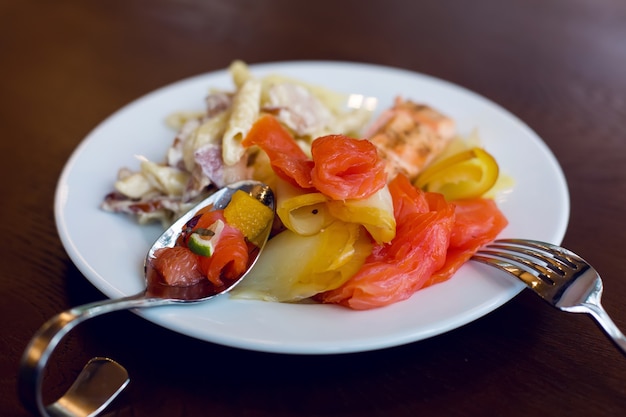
157,293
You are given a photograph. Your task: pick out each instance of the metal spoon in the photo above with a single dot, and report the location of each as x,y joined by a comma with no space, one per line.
85,401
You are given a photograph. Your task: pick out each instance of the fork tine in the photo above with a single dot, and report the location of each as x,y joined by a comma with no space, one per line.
551,272
528,276
539,271
556,265
566,256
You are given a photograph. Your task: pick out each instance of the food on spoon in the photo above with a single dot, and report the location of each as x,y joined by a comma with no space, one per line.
215,244
178,266
249,215
203,241
230,259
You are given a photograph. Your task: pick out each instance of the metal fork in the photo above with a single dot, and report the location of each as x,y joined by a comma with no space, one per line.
559,276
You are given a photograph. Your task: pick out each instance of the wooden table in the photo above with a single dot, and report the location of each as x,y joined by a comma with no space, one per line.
559,65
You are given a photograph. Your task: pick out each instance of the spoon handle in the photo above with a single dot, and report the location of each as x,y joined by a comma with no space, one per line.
43,343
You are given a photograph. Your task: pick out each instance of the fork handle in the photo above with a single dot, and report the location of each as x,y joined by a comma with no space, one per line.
606,323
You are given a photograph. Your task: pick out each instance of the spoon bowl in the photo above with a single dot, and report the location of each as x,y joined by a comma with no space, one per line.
204,289
156,293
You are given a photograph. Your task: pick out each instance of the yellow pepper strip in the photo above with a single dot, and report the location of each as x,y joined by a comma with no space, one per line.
248,214
316,263
466,174
374,212
301,212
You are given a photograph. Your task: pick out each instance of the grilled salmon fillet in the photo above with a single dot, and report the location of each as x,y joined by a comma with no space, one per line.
409,136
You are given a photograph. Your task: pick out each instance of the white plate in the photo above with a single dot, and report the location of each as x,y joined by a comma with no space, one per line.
109,249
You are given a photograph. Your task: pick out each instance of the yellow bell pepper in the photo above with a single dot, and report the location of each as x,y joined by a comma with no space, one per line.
375,213
302,212
467,174
249,215
313,264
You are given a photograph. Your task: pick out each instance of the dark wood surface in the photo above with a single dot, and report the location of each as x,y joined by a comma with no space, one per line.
559,65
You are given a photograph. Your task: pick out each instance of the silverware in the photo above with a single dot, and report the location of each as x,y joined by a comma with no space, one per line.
100,381
81,400
559,276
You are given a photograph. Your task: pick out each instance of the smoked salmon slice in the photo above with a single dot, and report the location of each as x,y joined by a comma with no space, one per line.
178,266
433,239
346,168
287,159
230,258
395,271
340,168
478,222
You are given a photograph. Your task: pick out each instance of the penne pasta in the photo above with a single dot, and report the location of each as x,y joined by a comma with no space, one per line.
239,72
245,111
